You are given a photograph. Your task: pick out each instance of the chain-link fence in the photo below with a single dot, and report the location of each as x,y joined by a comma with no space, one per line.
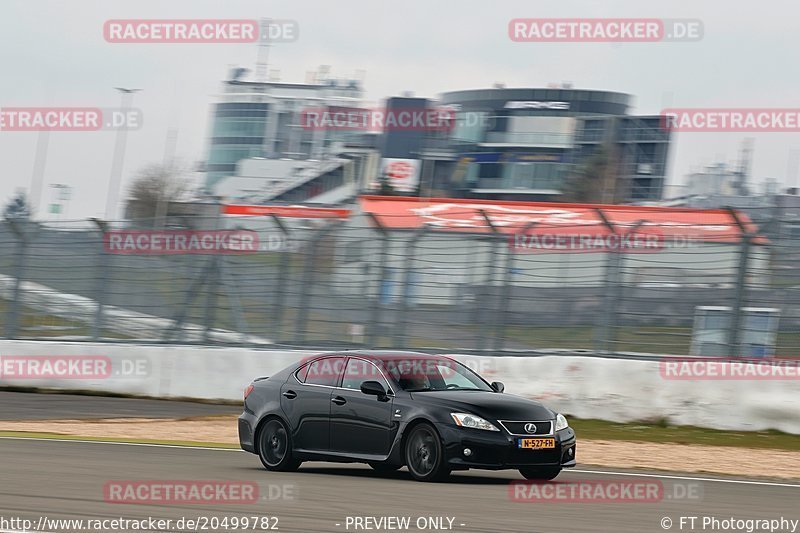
665,287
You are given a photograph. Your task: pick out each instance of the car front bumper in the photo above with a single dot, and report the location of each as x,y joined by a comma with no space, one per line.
497,450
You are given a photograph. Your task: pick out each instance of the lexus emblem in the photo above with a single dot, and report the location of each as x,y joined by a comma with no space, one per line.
530,428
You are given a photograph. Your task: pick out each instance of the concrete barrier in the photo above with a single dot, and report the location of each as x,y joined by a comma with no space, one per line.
619,390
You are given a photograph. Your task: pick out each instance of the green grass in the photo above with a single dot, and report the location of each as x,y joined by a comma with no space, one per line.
664,433
30,319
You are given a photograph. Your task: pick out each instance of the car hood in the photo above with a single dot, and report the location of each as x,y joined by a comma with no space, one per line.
493,405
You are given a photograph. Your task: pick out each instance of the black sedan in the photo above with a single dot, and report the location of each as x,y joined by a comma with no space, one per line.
427,412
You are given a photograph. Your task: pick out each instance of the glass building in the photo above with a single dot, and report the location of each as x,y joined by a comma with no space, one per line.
523,143
262,119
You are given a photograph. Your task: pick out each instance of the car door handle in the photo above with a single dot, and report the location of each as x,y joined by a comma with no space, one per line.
338,400
290,394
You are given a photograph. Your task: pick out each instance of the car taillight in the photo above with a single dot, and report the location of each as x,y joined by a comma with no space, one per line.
248,390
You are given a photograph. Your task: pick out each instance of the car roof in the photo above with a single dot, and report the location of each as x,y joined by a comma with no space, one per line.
384,355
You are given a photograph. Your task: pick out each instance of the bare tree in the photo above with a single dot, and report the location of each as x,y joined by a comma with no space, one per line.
17,208
596,179
154,187
385,187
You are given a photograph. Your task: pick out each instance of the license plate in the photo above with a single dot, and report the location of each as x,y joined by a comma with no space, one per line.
536,444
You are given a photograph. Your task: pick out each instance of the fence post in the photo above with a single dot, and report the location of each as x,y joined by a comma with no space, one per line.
191,293
606,335
734,332
214,280
228,280
19,269
505,296
377,309
102,279
210,314
493,255
410,258
276,316
308,284
602,331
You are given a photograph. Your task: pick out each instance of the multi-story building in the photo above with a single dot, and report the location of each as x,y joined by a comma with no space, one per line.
262,119
523,143
504,144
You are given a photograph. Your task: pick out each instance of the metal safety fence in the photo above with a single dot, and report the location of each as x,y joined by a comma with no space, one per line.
726,283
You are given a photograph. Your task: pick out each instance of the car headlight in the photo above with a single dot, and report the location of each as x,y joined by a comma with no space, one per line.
466,420
561,422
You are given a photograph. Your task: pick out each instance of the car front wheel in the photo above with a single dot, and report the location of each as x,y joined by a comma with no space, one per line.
425,455
541,474
275,447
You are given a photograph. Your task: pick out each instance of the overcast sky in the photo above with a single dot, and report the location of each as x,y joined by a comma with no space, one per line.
53,54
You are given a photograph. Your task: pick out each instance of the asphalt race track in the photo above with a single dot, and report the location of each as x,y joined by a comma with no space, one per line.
58,479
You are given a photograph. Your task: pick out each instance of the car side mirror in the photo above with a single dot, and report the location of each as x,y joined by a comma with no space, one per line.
373,388
498,387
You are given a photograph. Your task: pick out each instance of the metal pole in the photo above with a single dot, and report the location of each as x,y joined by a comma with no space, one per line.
37,180
119,156
214,281
229,282
102,279
619,285
493,254
276,316
602,333
375,317
19,269
308,284
734,333
210,314
192,291
505,297
410,258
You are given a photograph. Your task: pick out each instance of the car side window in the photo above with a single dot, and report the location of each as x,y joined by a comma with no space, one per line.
325,371
301,373
359,371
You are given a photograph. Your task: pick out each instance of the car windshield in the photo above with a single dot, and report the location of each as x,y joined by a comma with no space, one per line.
420,375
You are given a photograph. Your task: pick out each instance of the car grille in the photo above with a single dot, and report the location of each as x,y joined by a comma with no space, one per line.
544,427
